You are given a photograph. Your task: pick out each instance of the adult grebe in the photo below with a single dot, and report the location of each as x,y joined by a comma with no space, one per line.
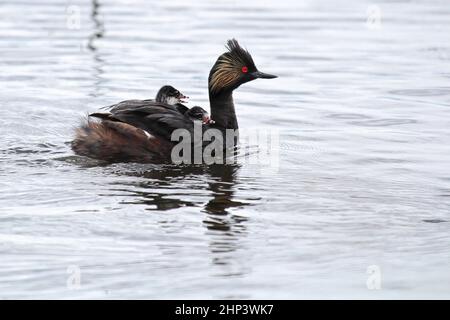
143,133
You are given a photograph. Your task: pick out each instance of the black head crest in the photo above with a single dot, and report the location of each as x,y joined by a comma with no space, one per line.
239,55
230,67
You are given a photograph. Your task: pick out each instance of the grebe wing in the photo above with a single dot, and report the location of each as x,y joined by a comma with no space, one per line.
156,118
132,104
181,108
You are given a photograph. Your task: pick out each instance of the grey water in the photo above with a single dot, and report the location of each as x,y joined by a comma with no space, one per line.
359,206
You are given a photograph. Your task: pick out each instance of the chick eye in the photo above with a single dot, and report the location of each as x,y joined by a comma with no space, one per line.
244,69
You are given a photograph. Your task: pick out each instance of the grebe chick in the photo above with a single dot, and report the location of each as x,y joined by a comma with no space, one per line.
170,95
199,114
166,95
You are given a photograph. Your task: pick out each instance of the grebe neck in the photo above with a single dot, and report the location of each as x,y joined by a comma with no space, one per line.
222,109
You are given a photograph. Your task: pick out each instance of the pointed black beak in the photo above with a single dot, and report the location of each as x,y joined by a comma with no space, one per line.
262,75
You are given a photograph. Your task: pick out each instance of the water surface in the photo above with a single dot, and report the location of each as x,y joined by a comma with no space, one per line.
362,103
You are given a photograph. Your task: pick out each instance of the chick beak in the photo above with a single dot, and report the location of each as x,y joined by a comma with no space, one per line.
262,75
206,119
183,98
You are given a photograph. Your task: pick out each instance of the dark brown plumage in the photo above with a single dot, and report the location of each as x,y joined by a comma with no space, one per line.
113,141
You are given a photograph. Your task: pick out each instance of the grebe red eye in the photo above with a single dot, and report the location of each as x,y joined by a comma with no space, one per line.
244,69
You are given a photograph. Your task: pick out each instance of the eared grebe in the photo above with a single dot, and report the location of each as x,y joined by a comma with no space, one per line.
140,130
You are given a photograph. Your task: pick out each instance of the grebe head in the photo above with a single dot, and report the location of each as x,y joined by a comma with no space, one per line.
234,68
170,95
199,114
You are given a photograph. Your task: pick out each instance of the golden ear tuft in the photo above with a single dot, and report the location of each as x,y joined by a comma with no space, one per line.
228,67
